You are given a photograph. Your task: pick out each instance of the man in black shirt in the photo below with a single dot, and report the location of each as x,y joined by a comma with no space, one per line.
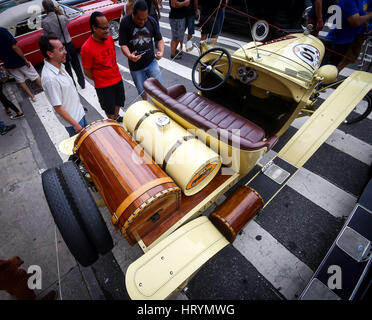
136,34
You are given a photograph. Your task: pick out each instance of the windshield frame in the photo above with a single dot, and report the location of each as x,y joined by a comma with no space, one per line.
252,55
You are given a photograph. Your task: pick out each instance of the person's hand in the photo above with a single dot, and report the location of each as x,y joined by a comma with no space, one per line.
77,128
186,3
319,24
28,64
159,55
133,57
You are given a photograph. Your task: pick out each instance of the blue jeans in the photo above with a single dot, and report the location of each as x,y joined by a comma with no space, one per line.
2,126
71,131
151,71
220,20
190,25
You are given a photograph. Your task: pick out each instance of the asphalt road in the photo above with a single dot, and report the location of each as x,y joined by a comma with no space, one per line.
277,252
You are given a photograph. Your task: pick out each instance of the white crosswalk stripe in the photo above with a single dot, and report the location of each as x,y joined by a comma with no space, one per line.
284,271
274,261
318,190
345,142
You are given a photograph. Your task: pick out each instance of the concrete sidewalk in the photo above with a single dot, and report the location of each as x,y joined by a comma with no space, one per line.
27,228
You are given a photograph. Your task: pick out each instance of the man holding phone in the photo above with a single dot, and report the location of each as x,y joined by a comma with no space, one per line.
136,35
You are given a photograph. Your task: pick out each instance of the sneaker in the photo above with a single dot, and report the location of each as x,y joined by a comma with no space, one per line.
17,116
8,112
189,46
119,119
177,57
7,129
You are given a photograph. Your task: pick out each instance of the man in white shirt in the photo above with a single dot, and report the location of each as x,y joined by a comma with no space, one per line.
59,87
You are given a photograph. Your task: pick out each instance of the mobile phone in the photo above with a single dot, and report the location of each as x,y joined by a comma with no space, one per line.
142,53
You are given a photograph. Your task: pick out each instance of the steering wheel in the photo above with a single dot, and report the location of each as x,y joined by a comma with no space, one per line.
211,69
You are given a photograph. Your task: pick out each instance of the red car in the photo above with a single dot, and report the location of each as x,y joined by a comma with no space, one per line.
24,22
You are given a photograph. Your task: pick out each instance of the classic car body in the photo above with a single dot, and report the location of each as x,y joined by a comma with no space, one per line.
24,22
248,96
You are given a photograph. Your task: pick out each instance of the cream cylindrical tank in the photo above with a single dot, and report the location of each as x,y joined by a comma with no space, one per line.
186,159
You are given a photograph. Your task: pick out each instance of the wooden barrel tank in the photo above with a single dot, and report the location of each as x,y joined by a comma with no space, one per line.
135,189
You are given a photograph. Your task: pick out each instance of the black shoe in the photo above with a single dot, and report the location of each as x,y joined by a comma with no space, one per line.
17,116
7,129
72,158
178,55
119,119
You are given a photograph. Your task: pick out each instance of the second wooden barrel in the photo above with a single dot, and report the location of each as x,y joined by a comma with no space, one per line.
236,211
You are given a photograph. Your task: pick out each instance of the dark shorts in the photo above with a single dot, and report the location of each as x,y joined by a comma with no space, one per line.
330,56
353,50
112,96
177,28
190,25
207,26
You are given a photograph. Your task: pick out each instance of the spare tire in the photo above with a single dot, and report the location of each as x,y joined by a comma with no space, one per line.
62,211
86,209
261,31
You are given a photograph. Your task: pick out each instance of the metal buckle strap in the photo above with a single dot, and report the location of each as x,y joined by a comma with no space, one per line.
147,114
174,148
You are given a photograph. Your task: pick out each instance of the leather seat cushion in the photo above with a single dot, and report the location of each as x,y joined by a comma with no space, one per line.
205,114
210,115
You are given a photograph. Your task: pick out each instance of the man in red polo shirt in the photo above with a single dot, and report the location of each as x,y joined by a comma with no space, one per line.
98,57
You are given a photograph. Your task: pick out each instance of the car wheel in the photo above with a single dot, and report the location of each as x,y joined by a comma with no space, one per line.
261,31
86,209
62,211
114,29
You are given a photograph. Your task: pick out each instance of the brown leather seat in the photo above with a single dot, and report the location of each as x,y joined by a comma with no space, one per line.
205,114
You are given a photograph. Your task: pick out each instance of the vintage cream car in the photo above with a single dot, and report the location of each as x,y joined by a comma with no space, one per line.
174,157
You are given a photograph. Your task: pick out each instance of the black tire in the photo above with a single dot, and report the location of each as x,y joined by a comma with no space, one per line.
86,209
64,217
355,117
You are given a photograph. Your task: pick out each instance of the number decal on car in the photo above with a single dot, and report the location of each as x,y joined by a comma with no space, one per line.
309,54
